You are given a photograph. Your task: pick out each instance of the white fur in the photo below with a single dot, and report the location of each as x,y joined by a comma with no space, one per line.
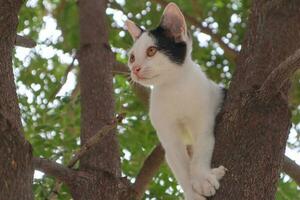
183,107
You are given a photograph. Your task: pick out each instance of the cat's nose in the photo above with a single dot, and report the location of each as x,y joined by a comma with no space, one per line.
136,69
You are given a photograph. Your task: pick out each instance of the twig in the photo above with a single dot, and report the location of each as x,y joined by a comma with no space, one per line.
279,75
149,169
94,140
292,169
75,92
23,41
64,78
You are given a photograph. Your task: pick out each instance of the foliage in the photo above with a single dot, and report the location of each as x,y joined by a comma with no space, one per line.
51,113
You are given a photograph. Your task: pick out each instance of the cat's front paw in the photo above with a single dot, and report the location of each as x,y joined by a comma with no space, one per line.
207,183
219,172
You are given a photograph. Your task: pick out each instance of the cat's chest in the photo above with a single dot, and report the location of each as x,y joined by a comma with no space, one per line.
179,102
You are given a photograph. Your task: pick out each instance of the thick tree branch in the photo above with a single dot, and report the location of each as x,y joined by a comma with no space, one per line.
279,75
149,169
53,169
23,41
292,169
230,53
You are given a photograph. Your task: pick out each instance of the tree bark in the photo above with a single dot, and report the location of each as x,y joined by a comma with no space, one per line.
16,170
101,165
252,133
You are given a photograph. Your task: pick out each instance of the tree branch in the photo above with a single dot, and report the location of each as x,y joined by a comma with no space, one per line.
63,79
53,169
149,169
279,75
65,174
230,53
95,139
24,42
292,169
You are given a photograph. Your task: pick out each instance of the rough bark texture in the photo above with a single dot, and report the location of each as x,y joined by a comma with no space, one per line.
16,169
102,164
252,133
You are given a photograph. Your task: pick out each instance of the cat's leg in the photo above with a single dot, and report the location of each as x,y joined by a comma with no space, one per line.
178,159
189,194
204,180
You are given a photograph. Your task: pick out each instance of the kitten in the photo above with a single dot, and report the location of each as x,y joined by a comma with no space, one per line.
183,103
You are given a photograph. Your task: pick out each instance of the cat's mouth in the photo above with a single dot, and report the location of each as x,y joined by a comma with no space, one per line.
142,78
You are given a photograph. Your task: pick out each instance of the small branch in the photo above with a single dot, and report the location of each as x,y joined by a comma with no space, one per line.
95,140
64,78
149,169
279,75
57,170
24,42
292,169
53,169
75,92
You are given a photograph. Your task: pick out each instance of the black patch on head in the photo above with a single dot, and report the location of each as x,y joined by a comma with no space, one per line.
176,51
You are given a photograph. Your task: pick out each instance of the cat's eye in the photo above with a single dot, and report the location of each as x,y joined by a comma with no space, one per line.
131,58
151,51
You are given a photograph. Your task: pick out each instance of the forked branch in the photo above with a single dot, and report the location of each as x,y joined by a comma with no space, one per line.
66,174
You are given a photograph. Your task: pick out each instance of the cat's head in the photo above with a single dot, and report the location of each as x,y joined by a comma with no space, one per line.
157,56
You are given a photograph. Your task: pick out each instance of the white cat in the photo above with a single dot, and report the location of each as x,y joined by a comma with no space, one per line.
183,103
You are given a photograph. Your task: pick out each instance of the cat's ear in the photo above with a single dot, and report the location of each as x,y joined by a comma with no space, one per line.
133,29
173,21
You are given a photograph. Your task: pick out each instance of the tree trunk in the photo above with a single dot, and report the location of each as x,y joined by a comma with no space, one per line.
16,169
101,166
251,131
